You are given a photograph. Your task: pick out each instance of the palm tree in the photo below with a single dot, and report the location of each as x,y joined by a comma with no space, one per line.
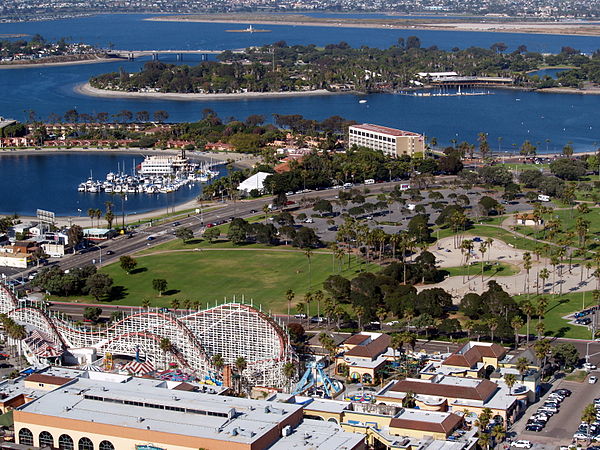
522,366
289,370
308,298
289,295
359,312
498,433
218,361
146,303
516,323
91,214
528,310
240,365
166,346
510,380
397,343
541,329
308,254
527,266
318,297
544,275
482,250
492,324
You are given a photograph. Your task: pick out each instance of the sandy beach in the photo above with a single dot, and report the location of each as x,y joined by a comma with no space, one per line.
30,65
86,89
562,28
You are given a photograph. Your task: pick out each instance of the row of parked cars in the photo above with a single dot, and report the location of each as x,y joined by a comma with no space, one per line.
551,406
591,431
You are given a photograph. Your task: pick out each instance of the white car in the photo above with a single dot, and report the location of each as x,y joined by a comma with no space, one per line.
589,366
593,379
522,444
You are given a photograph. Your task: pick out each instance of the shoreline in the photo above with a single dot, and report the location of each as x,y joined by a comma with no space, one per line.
240,160
57,64
591,30
568,90
87,89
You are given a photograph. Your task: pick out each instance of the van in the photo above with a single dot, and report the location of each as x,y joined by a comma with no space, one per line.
543,198
370,181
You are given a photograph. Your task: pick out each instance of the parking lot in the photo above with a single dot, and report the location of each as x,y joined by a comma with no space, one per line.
560,428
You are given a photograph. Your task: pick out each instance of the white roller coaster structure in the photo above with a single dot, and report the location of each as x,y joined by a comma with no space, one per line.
232,330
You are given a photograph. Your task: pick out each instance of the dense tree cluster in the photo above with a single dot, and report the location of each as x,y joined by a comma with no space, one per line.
78,281
279,67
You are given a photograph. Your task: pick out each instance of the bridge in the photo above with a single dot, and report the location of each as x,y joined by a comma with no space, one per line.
132,54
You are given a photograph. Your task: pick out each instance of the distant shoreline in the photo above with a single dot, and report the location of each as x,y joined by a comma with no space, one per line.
29,65
87,89
561,29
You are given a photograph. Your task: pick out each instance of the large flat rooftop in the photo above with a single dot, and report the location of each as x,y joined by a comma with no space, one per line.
384,130
142,404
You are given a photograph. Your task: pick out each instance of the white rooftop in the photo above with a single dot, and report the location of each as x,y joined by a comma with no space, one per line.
313,434
141,404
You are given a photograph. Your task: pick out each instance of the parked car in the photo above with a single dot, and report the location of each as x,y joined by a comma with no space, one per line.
589,366
593,379
537,427
522,444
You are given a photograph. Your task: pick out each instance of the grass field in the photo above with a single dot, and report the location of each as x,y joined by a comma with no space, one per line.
489,270
567,220
558,307
263,275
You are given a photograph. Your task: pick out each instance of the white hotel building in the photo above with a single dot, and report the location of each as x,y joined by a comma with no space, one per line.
391,141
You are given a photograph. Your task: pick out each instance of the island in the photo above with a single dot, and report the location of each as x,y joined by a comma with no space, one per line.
39,51
301,69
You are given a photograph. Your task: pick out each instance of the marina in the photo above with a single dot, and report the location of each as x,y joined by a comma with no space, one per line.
157,174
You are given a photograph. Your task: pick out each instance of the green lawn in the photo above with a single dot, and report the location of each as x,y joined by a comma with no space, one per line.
490,270
567,220
559,306
263,275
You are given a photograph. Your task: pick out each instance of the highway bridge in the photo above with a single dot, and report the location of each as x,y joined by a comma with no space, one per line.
132,54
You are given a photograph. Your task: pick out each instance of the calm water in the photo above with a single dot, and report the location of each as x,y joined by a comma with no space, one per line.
50,182
552,73
512,116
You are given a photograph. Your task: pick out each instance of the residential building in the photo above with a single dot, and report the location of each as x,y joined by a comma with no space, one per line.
390,141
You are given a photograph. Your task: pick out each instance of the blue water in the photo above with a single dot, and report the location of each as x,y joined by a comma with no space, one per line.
130,31
552,73
512,115
50,182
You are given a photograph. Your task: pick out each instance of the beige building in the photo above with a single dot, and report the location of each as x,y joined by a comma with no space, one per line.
390,141
145,414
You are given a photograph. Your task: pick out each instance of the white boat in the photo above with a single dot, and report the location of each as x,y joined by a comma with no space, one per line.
362,101
81,187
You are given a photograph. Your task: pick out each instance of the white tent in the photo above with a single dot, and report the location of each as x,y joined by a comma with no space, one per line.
256,181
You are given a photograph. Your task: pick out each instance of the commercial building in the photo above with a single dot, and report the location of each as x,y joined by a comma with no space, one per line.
390,141
454,394
364,354
134,413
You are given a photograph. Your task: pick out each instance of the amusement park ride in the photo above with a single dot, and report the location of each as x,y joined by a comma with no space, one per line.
231,330
316,381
